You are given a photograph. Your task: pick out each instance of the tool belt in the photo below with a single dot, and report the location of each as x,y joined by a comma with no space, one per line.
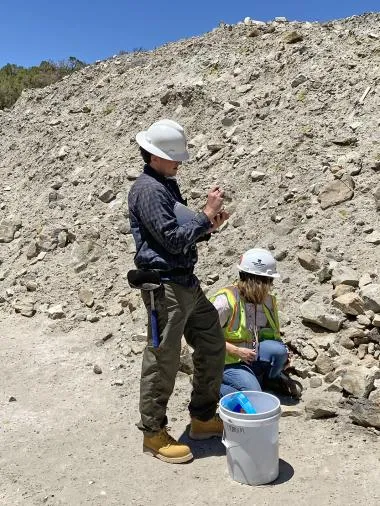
178,271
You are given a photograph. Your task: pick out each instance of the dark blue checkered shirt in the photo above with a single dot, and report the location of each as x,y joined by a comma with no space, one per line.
161,244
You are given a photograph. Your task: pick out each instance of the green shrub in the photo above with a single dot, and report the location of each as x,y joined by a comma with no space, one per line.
14,79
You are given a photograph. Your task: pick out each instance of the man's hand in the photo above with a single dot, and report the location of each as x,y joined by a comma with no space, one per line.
246,355
214,202
218,221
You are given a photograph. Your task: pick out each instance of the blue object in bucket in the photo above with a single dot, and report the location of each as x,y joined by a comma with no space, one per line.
239,403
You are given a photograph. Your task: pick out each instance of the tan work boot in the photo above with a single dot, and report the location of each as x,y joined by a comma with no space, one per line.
206,430
166,448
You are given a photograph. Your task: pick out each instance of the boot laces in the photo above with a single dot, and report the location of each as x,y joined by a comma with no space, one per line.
166,438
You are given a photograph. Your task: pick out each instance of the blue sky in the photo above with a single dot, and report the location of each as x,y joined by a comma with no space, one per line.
35,30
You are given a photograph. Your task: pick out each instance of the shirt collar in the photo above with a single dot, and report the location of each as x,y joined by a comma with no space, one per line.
151,172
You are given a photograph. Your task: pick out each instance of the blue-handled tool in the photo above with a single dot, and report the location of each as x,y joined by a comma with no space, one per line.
154,322
239,403
148,281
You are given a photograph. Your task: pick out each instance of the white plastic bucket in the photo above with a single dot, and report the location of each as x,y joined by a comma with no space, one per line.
251,440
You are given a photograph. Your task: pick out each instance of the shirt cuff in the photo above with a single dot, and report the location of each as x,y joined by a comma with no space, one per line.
204,221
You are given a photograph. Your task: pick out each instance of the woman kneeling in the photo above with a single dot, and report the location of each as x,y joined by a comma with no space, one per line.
255,353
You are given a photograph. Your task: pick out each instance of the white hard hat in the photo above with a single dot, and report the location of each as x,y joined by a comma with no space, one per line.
166,139
259,262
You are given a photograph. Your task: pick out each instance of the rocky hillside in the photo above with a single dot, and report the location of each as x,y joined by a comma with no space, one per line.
283,115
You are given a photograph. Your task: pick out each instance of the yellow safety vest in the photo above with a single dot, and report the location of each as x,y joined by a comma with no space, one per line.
236,331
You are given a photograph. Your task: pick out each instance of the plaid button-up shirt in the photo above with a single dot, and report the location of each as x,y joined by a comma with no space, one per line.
161,244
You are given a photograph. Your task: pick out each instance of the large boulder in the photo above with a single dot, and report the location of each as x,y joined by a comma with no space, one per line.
343,275
324,364
335,193
350,303
8,229
371,297
320,408
85,252
366,413
24,307
342,290
321,315
309,261
308,352
374,397
359,381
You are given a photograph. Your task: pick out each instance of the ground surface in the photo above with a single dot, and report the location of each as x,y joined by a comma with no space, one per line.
69,438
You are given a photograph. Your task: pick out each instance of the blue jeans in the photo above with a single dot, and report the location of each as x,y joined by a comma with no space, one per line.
272,358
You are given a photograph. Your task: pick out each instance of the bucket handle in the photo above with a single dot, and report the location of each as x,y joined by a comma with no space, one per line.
227,443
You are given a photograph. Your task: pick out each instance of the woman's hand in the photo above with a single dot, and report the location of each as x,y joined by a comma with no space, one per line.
246,355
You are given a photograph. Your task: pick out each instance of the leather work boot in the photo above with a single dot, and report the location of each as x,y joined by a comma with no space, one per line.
166,448
285,385
206,430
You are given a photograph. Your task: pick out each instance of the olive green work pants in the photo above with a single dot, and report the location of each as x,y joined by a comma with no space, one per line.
184,312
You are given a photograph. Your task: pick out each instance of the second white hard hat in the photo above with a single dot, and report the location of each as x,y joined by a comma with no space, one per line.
259,262
164,138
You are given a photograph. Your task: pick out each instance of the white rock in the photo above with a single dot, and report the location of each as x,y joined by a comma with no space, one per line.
63,152
340,290
257,176
373,238
227,107
324,364
232,131
335,193
350,303
56,312
371,297
343,275
309,352
359,381
86,296
355,125
363,320
308,260
320,315
365,280
244,88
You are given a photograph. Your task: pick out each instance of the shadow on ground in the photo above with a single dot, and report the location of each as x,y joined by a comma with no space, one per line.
286,473
206,448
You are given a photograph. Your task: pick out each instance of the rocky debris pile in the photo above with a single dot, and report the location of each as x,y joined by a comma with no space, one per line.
346,359
282,114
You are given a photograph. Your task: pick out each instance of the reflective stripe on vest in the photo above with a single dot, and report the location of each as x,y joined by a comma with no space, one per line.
272,318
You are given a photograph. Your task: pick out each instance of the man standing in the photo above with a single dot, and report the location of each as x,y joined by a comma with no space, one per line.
167,244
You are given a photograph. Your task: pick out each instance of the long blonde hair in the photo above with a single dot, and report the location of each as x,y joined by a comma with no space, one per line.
254,289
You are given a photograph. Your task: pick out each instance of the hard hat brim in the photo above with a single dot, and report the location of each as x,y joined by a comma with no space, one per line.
275,275
153,150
